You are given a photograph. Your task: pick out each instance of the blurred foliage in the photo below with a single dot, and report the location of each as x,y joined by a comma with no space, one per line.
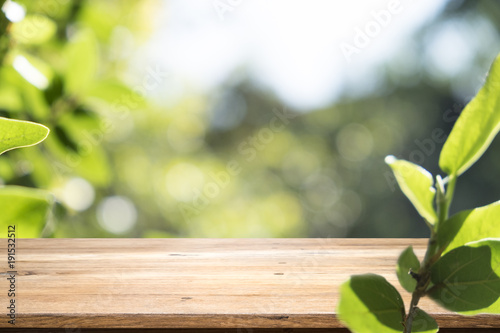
235,163
28,206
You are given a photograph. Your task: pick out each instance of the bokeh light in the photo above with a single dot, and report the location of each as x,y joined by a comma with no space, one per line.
77,194
117,214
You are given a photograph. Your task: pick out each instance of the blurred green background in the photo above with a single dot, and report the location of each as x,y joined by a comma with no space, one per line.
171,120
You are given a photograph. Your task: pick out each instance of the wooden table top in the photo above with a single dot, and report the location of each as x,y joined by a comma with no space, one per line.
199,283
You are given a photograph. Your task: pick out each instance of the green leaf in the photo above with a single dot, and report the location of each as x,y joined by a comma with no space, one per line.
26,208
469,226
30,96
34,29
87,157
43,172
82,61
416,183
407,260
370,304
476,127
18,134
423,323
466,279
10,98
7,169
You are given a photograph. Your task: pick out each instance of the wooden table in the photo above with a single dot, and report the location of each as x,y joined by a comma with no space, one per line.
199,285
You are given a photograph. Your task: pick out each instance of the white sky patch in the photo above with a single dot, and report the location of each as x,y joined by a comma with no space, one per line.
29,72
13,11
450,49
291,47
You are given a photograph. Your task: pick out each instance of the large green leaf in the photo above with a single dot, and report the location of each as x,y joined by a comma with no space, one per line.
416,183
475,128
466,279
26,208
18,134
407,261
469,226
370,304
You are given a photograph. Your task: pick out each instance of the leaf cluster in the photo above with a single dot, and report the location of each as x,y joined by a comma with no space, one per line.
461,268
51,73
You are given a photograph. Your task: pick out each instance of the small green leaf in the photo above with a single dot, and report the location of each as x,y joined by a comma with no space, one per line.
416,183
65,139
407,261
476,127
55,90
26,208
18,134
82,60
466,279
423,323
370,304
469,226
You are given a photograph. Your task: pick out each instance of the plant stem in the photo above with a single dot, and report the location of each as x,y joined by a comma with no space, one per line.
444,210
422,282
433,252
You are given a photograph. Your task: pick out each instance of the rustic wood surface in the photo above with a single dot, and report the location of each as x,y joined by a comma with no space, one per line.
222,330
199,283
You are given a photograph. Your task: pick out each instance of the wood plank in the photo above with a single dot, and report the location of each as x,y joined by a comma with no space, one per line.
227,330
199,283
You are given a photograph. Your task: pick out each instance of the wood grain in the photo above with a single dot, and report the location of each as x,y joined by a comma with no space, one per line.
199,283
